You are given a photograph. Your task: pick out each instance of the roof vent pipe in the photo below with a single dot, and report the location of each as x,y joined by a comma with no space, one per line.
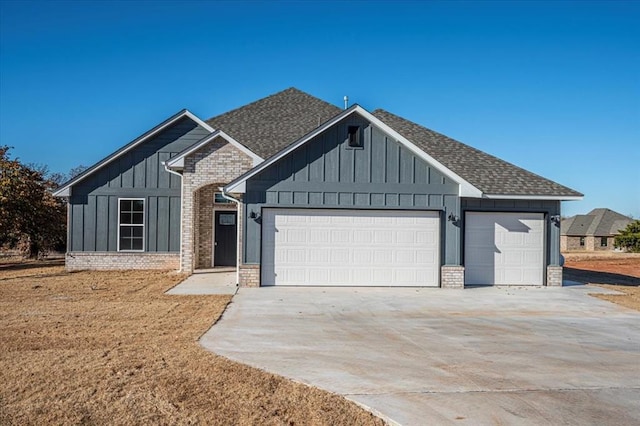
346,102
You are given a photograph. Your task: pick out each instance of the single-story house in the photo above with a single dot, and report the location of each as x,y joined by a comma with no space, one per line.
594,231
292,190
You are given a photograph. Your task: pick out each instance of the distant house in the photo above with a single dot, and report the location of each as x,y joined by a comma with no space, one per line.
292,190
594,231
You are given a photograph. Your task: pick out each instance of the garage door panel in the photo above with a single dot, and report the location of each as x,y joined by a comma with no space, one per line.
383,256
383,237
504,248
382,277
348,247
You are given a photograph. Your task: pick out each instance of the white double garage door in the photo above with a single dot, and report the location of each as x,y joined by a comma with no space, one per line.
324,247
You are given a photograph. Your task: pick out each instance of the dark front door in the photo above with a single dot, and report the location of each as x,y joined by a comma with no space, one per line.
225,238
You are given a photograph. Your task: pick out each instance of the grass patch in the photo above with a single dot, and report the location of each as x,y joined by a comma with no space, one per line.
630,298
613,271
111,348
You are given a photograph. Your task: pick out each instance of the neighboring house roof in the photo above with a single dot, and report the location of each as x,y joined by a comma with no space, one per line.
269,124
63,190
493,176
598,222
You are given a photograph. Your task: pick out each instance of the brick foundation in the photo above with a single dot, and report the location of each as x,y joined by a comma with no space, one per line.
554,276
76,261
249,276
452,276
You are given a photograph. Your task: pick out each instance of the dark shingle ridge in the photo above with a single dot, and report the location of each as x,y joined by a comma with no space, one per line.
269,124
484,171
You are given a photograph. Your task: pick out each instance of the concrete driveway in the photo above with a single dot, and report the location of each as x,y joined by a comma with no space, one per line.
433,356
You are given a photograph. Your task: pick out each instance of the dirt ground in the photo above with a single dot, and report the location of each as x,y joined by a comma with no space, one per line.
615,271
111,348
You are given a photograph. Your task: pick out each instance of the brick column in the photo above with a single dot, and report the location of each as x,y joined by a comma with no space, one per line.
554,276
452,276
249,275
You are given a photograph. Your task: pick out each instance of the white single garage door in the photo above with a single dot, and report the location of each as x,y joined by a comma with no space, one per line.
315,247
504,248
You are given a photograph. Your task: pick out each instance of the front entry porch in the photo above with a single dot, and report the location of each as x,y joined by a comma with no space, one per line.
216,230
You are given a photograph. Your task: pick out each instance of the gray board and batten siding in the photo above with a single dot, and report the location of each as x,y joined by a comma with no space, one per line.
139,173
326,172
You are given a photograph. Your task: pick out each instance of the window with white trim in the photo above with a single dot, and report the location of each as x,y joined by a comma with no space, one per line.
131,224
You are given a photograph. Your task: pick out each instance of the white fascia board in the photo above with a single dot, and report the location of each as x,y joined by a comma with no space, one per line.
64,190
198,120
177,162
466,189
535,197
238,185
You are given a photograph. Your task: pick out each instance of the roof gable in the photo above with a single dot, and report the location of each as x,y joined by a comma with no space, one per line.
466,189
65,189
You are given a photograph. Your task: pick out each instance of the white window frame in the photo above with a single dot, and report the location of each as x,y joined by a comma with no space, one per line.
143,225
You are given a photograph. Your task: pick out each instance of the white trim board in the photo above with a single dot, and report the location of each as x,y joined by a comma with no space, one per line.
144,225
65,190
177,162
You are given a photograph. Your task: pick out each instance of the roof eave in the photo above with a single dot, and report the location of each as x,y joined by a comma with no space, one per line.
534,197
65,189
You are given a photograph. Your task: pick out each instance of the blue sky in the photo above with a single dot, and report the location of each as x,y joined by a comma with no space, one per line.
553,87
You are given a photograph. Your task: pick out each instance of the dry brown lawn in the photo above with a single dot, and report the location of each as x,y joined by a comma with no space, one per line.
111,348
615,271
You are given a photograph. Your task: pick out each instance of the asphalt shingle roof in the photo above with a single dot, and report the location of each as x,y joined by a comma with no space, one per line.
598,222
269,124
488,173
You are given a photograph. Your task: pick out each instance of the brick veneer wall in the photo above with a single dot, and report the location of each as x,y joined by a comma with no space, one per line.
452,276
216,163
249,275
76,261
554,276
568,243
608,247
